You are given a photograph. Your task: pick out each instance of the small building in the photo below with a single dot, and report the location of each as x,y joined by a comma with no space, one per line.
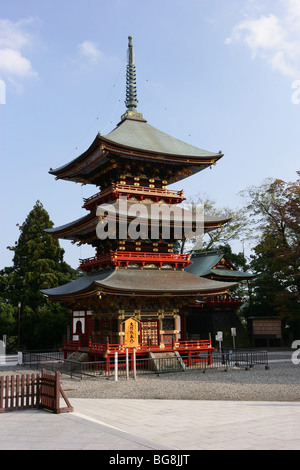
266,331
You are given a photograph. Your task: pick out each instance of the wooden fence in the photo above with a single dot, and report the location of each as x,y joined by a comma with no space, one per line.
22,392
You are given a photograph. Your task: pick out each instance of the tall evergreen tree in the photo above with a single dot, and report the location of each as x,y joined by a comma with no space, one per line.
37,264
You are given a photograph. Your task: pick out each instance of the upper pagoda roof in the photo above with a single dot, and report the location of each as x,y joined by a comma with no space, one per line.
213,264
134,139
136,134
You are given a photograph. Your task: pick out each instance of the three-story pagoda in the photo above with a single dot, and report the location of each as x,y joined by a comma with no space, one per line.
140,278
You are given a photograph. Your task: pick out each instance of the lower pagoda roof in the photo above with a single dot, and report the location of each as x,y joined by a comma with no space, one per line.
213,264
137,282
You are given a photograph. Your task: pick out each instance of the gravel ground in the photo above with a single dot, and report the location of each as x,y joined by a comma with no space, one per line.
280,383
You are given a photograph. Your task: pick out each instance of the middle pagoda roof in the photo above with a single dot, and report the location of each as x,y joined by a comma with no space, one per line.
81,229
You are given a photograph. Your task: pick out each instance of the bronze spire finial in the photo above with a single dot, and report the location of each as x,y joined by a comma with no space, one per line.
131,93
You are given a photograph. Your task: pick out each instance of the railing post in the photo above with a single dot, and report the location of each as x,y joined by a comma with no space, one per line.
134,364
127,365
56,392
189,359
210,358
116,366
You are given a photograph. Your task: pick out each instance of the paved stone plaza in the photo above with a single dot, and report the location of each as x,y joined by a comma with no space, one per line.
155,425
159,424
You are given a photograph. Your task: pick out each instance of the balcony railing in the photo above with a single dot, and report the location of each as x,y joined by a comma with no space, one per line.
109,348
116,189
124,259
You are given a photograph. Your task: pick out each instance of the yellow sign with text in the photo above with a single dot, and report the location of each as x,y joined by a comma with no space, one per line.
131,338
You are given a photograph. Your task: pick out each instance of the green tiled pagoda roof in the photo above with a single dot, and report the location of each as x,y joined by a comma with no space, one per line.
203,264
139,282
136,133
135,138
88,223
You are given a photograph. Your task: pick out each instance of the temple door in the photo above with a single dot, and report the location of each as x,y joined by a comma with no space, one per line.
149,329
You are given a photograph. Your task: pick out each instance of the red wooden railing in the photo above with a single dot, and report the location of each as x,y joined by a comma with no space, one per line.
88,264
124,258
117,189
201,344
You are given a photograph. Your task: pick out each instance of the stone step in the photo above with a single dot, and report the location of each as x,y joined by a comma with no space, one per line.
78,356
166,361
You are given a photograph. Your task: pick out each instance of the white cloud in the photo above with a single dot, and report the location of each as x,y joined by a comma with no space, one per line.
89,50
280,63
12,35
273,38
264,33
13,63
14,38
293,10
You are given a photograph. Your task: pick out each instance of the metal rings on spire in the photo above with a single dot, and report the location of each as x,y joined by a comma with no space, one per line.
131,92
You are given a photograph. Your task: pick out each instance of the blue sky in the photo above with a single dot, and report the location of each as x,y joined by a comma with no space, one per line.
219,74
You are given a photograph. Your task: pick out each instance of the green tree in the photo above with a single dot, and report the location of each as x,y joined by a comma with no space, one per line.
8,325
232,230
274,213
47,326
37,264
240,263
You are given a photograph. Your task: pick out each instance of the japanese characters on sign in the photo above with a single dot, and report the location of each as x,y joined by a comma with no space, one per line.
131,339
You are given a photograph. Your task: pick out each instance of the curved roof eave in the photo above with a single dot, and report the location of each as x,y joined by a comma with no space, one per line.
148,140
90,221
232,274
203,264
78,159
139,282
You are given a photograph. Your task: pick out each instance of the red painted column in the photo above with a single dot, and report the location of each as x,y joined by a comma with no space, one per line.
210,358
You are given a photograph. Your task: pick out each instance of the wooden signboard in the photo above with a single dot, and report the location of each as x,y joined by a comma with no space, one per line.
131,338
